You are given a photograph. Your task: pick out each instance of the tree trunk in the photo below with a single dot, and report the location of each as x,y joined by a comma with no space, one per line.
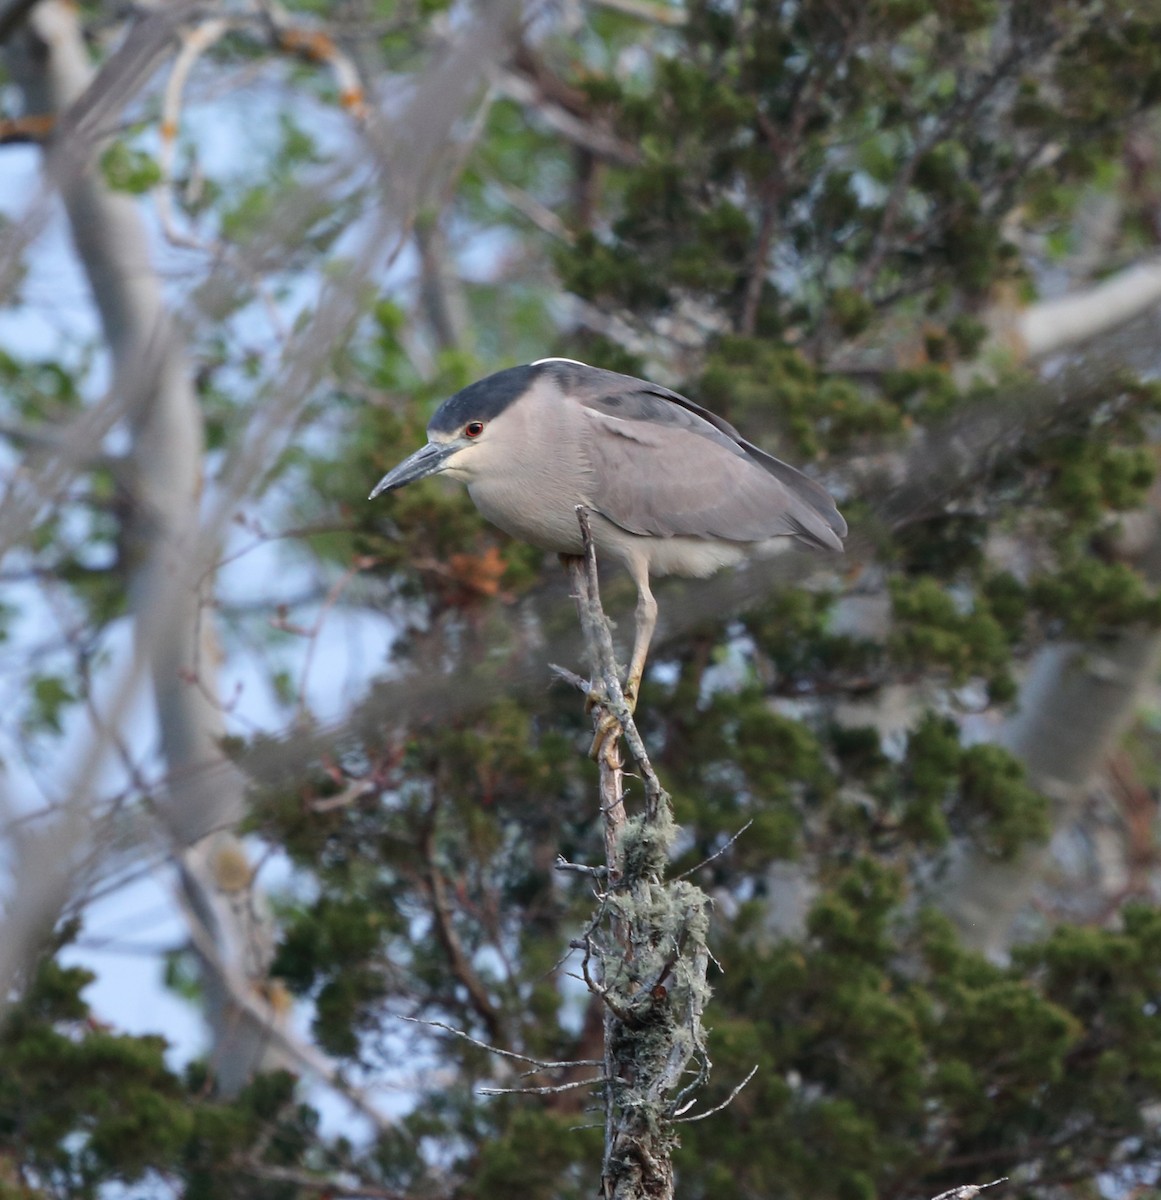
205,795
1077,700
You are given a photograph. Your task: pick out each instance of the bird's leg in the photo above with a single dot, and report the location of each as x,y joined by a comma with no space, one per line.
605,726
646,623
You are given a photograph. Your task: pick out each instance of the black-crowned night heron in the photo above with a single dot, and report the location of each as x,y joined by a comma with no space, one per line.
671,488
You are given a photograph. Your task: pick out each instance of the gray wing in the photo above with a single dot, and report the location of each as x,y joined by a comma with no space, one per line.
664,466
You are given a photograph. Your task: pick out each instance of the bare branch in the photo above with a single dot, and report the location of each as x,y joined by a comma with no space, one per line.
562,864
331,1185
546,1090
724,1104
92,109
658,14
1054,325
153,391
528,206
571,127
16,131
717,853
316,46
272,24
537,1063
969,1191
268,1016
194,43
458,962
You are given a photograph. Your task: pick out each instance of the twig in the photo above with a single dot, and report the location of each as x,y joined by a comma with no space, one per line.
363,562
315,46
728,1101
15,131
679,1101
969,1190
757,275
194,43
562,864
601,638
539,214
659,14
601,992
571,677
573,128
705,862
449,939
539,1064
351,794
547,1090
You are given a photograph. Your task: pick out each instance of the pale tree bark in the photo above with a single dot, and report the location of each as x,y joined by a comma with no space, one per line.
1052,326
441,290
1077,699
152,374
1076,703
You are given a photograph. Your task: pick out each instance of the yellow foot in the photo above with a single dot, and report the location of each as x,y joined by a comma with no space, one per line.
608,722
605,727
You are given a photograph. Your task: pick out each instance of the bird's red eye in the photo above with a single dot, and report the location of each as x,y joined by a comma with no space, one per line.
474,428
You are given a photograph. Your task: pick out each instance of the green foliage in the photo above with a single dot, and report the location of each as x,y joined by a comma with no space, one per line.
748,381
50,697
129,170
84,1109
37,388
540,1157
1089,596
793,631
926,391
866,149
932,629
886,1050
444,813
1093,477
739,760
80,1105
936,789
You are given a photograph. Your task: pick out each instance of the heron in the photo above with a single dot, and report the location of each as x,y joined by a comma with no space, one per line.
670,488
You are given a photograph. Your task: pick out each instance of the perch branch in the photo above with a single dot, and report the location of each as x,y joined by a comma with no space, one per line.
645,954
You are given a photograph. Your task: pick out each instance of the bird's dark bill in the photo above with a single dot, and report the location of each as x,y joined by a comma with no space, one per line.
427,460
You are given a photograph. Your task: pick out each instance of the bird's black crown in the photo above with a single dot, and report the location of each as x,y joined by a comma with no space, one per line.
484,400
